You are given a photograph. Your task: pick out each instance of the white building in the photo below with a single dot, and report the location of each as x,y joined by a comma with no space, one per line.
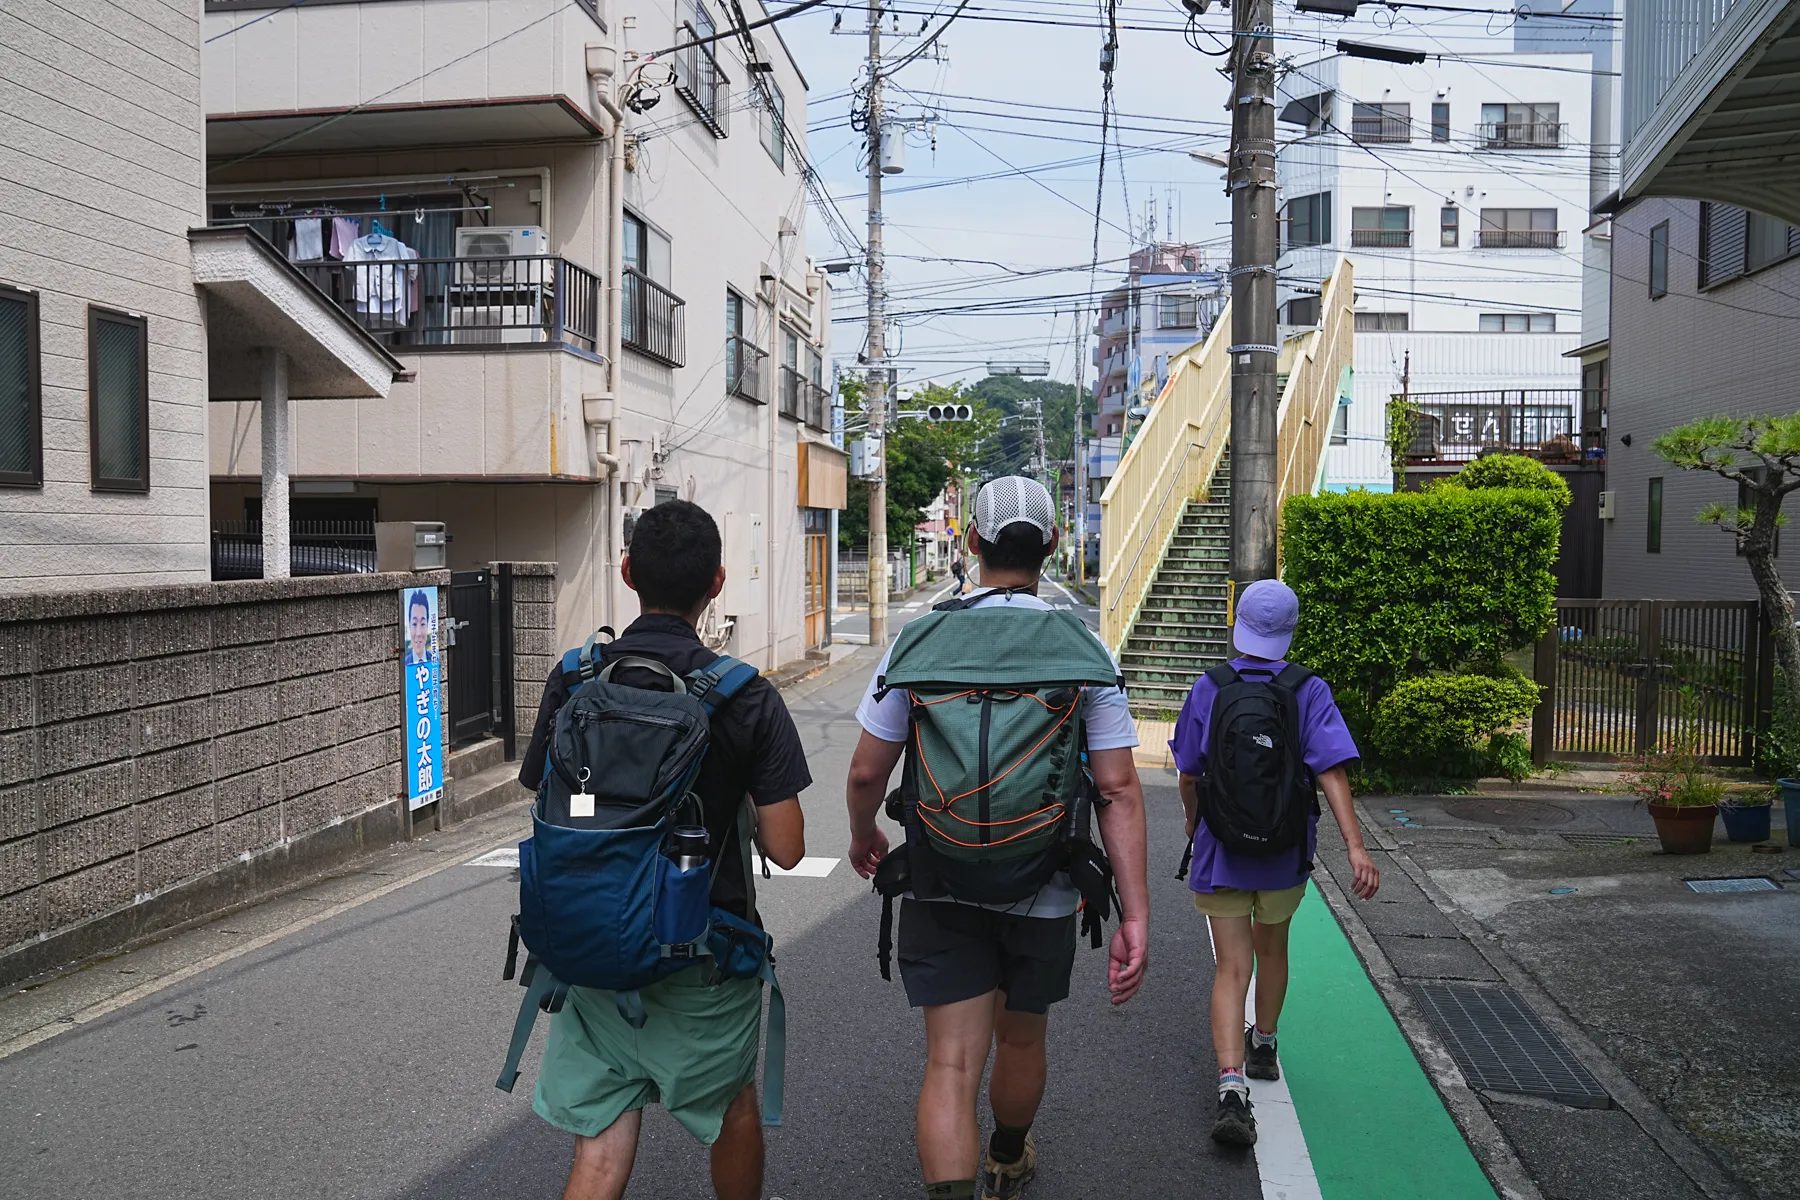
1460,192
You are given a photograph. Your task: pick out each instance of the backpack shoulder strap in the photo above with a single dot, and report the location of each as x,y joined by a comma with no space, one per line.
1223,675
633,662
715,685
1293,677
579,664
958,603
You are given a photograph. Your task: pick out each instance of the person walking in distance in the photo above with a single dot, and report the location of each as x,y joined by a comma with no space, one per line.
1254,741
959,572
1014,729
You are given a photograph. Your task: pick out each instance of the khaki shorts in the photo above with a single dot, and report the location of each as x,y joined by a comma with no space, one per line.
1265,908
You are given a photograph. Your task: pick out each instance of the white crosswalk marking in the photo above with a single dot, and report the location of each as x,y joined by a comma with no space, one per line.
809,867
504,856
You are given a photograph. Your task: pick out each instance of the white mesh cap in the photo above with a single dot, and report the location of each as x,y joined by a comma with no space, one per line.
1012,498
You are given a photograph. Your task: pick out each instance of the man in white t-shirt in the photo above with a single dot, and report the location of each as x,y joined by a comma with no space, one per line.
986,975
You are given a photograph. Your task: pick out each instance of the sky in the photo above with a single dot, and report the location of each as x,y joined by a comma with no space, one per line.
1019,85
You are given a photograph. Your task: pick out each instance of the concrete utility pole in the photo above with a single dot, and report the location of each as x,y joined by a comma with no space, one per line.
876,400
1254,246
1078,443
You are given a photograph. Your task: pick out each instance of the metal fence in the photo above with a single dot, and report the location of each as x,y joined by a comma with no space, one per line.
1460,425
804,400
314,548
471,654
1622,678
654,318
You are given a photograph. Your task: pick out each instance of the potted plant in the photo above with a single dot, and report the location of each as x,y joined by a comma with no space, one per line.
1746,814
1683,800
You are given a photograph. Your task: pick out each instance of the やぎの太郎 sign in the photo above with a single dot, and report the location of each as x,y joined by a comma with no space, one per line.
423,716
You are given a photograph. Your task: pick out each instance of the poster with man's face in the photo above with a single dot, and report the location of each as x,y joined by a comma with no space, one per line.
422,716
421,625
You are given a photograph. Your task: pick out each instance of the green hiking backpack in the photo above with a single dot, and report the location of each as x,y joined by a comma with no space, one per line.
995,794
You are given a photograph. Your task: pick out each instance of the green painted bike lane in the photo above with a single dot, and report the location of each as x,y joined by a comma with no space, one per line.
1374,1126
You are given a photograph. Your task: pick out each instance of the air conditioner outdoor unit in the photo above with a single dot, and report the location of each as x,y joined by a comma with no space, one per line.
487,244
494,325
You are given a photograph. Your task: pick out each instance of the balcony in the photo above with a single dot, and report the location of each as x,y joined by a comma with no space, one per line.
1119,323
1385,238
1521,239
743,369
1381,130
654,318
804,400
1522,135
534,301
702,85
1458,426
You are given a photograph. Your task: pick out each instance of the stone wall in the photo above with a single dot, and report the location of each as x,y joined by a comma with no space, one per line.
167,751
534,640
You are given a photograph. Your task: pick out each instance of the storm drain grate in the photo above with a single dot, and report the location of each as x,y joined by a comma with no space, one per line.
1598,839
1502,1046
1755,883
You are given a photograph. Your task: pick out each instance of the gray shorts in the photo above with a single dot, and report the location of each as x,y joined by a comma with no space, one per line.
954,952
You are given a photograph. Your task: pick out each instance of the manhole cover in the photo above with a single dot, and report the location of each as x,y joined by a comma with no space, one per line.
1509,812
1501,1045
1598,839
1755,884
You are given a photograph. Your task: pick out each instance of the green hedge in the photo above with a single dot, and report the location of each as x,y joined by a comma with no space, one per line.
1405,584
1454,724
1512,471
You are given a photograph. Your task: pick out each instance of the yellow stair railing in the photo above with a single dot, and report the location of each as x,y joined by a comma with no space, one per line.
1176,452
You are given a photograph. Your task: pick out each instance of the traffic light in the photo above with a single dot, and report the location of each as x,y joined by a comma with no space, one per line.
949,412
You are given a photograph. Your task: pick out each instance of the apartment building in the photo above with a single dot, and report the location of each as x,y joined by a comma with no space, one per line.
580,226
1460,194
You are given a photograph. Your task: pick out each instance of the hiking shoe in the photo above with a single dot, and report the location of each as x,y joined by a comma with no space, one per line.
1235,1126
1259,1061
1004,1181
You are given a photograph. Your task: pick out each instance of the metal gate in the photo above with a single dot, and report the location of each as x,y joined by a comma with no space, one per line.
1625,677
818,580
471,656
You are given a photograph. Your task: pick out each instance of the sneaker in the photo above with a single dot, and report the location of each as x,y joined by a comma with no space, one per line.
1004,1181
1259,1061
1235,1126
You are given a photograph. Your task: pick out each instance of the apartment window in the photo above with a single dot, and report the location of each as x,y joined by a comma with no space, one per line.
1177,312
1340,425
1767,241
1519,229
1391,227
774,125
1518,323
1450,226
647,249
1659,266
1521,126
1303,310
118,401
21,391
1309,220
698,78
1653,522
1381,123
1381,322
742,355
1734,241
1440,122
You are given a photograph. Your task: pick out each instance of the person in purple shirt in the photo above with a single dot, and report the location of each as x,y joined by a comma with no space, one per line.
1249,900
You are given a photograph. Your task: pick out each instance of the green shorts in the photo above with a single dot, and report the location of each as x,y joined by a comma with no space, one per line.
696,1052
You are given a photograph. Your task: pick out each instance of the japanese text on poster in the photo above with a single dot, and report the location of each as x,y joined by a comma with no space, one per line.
423,717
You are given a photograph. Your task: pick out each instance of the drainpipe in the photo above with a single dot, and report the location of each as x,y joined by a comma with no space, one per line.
772,285
601,66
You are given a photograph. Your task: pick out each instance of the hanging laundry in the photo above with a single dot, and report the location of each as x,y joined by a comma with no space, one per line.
309,240
344,231
384,280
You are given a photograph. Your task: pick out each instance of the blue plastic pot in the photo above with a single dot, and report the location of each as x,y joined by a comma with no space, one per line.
1790,800
1749,823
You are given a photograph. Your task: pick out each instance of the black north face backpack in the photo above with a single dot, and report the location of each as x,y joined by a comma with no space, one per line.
1258,791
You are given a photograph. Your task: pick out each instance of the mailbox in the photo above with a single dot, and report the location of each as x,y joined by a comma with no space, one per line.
411,546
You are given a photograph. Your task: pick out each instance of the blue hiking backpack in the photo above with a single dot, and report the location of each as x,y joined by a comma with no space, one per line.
603,901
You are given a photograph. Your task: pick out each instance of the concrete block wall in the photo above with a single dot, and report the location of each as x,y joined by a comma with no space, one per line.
535,646
166,751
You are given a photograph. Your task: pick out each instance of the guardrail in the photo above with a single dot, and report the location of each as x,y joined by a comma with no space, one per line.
1522,135
1521,239
743,369
654,319
432,303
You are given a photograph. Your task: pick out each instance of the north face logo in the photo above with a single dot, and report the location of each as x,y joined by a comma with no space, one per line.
1264,740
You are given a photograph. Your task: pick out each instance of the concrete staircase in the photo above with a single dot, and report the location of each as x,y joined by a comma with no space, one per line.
1180,630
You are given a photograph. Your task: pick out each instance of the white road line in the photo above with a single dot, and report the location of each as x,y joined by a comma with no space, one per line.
505,856
807,868
1282,1161
948,588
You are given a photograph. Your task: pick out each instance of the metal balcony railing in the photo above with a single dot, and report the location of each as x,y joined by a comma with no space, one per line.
1457,426
1522,135
743,369
702,84
654,319
1381,237
433,303
1521,239
1380,130
804,400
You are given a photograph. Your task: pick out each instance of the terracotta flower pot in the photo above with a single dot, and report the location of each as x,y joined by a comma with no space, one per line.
1684,829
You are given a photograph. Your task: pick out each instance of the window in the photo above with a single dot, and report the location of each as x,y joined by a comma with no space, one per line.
1521,126
1309,220
1381,122
1766,241
1518,323
1593,404
1440,122
1653,524
1735,241
774,125
653,317
1659,265
1390,227
1340,425
21,391
1177,312
1381,322
1449,226
1303,310
742,356
698,79
1519,229
118,401
647,249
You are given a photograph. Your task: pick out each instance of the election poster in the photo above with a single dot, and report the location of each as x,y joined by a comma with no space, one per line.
423,718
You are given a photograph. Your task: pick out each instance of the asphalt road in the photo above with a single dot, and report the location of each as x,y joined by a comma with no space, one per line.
356,1057
852,623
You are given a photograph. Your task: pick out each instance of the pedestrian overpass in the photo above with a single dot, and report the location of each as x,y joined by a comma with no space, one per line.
1165,529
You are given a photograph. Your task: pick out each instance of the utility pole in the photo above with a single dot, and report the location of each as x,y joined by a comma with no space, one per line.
876,403
1078,443
1254,402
